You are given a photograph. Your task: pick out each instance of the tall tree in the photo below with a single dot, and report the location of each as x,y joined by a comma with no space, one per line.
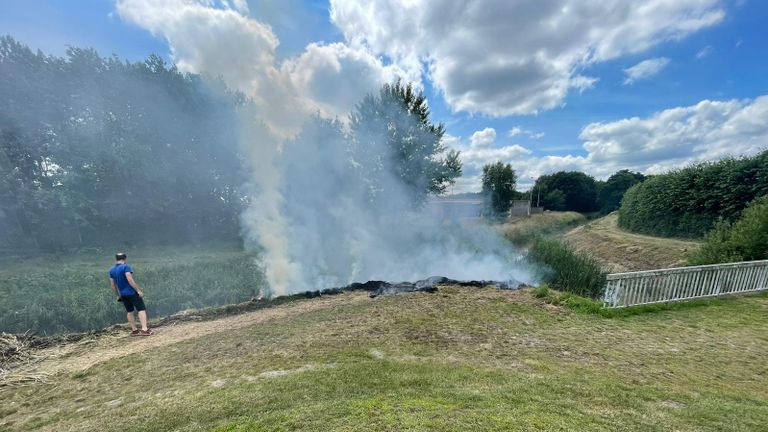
572,190
393,136
499,182
611,192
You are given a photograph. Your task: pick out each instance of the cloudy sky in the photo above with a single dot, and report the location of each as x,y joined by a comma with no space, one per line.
545,85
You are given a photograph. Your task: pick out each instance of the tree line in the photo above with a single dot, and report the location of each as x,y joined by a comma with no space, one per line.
99,151
560,191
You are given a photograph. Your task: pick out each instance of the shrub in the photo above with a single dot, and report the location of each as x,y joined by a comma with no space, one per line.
690,201
566,270
744,240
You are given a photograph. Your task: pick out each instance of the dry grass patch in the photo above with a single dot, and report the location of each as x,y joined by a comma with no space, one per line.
522,230
621,251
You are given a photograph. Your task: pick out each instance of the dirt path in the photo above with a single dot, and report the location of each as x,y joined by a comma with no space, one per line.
622,251
86,353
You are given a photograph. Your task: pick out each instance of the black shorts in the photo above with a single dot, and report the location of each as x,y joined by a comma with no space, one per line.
133,302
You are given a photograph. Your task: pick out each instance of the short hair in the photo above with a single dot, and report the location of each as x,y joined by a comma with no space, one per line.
120,256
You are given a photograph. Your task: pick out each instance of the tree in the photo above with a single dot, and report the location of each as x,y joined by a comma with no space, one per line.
612,191
393,136
499,181
85,141
571,190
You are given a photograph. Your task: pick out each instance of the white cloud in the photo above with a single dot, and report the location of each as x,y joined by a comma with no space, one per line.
680,136
667,140
704,52
502,58
220,39
516,131
484,138
335,76
479,151
645,69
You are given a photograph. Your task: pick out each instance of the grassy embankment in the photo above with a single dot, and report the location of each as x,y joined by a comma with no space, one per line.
71,293
523,230
621,251
460,359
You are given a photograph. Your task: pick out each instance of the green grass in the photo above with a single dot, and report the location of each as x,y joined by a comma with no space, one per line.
460,359
58,294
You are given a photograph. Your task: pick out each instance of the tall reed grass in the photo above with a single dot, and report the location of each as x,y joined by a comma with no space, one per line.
59,297
567,270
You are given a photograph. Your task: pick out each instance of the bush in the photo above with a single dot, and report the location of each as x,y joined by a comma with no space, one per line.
690,201
566,270
744,240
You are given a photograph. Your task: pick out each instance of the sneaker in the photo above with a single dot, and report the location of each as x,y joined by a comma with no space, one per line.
135,332
147,332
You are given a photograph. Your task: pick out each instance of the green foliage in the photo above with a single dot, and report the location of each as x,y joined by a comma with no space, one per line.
541,291
571,190
743,240
499,181
57,297
95,148
393,135
567,270
690,201
612,191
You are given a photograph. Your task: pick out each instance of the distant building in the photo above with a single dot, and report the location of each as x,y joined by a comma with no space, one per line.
523,208
455,209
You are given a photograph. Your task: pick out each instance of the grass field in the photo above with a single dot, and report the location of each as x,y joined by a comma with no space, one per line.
621,251
457,360
71,293
523,230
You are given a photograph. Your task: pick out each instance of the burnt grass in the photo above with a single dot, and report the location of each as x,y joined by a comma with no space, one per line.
16,348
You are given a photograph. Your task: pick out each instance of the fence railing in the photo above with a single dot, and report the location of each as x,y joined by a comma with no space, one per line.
684,283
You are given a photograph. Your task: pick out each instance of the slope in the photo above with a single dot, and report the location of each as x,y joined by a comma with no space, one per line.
622,251
458,359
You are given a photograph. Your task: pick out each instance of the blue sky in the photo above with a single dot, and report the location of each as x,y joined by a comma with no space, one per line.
479,81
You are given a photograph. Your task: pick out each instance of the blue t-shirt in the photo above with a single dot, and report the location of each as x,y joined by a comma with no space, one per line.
117,273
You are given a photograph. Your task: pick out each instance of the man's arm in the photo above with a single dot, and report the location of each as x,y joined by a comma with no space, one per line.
132,283
114,288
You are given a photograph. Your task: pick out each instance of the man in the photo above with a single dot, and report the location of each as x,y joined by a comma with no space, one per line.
128,292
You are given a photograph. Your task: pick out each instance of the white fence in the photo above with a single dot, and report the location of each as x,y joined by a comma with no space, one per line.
684,283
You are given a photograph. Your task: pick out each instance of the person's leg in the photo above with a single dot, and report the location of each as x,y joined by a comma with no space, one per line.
142,310
131,321
129,308
143,319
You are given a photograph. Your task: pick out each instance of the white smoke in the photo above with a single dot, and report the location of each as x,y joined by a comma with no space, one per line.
320,223
311,211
